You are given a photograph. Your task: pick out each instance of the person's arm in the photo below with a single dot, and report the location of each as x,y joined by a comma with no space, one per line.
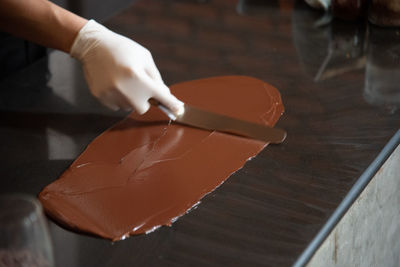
41,22
120,72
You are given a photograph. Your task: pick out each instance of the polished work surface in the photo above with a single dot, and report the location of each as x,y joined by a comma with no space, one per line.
338,83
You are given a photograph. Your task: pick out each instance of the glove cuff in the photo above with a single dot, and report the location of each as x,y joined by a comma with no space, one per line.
86,39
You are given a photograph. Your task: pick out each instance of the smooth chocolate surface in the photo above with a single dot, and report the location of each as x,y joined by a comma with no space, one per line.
146,171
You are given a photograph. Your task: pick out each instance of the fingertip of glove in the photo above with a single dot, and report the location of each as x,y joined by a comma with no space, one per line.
175,105
178,109
143,108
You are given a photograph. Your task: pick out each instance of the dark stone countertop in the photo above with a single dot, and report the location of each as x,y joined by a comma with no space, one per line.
339,84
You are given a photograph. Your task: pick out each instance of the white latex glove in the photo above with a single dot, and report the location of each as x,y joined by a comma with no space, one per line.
120,72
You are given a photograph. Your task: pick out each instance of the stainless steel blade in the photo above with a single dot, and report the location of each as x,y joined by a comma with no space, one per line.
199,118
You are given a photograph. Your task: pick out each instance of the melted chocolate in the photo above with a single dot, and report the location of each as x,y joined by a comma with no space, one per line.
146,171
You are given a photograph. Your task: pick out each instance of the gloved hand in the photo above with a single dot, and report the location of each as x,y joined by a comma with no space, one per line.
120,72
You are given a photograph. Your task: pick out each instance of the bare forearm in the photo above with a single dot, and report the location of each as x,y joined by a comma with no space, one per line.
41,22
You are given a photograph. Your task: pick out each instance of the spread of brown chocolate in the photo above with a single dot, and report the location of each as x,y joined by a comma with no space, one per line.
146,172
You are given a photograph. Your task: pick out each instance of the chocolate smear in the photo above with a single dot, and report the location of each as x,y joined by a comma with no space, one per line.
146,171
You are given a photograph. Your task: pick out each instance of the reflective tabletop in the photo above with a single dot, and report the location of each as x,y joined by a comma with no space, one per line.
339,84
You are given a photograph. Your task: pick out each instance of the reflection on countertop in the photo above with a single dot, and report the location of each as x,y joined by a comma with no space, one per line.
330,47
48,116
382,72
